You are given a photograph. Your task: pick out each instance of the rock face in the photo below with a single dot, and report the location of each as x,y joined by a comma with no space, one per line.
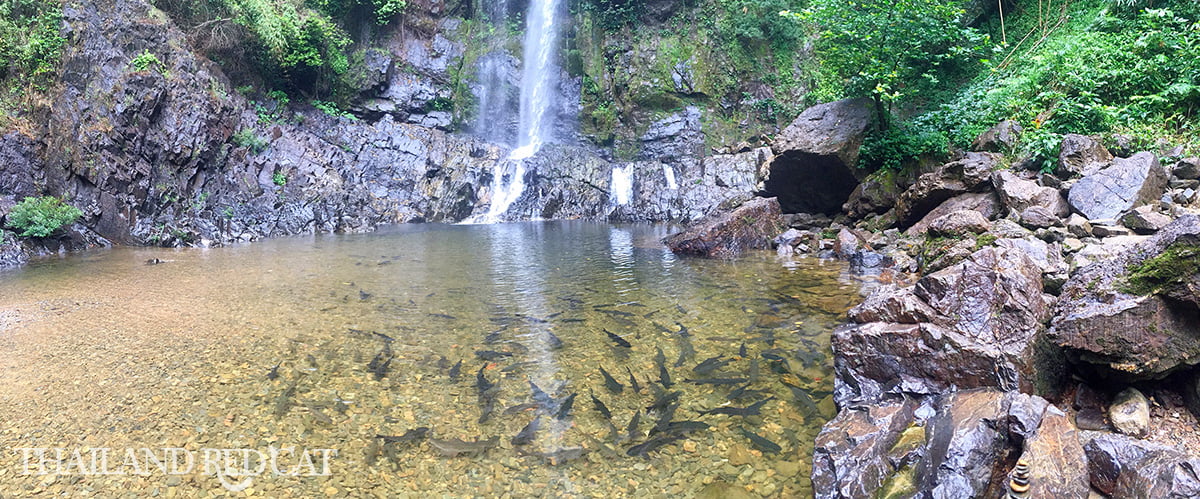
727,234
975,324
960,222
659,193
1131,335
1121,466
949,180
999,138
1126,184
815,169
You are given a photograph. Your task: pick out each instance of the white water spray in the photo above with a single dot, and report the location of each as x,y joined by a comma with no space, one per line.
622,184
670,174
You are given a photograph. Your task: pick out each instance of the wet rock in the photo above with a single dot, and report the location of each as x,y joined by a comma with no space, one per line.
673,137
1129,335
1127,183
815,169
1019,194
871,197
1039,217
1144,220
978,326
967,442
851,457
959,223
1121,466
1057,462
728,234
986,203
1130,413
1187,168
949,180
1047,256
999,138
1081,155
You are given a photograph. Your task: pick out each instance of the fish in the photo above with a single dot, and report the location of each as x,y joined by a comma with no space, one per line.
381,369
682,427
274,372
659,357
664,418
761,443
553,341
633,382
745,392
752,371
717,381
750,410
409,436
664,401
664,377
488,407
541,398
520,408
453,446
492,354
493,336
456,370
619,313
557,456
711,364
481,382
631,430
564,409
312,361
610,383
284,403
603,409
363,295
527,434
617,339
742,350
686,350
643,449
442,316
519,366
804,401
318,415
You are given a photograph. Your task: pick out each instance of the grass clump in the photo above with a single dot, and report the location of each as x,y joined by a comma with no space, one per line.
41,216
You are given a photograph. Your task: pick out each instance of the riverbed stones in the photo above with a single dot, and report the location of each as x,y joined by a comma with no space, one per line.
969,174
1130,413
1134,334
727,234
816,163
1125,184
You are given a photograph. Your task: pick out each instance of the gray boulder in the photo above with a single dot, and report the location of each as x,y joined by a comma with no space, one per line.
986,203
999,138
1187,168
1144,220
1126,184
1019,194
816,163
1130,413
959,223
1121,466
728,234
1081,155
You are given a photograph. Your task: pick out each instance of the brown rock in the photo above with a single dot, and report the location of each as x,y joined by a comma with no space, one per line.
726,235
1144,220
969,174
1019,194
1121,466
986,203
1058,465
1081,155
959,223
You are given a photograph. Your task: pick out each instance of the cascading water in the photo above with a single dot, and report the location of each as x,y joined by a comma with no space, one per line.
622,185
539,84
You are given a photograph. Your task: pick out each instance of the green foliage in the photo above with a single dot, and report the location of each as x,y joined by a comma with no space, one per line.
250,139
40,217
890,49
147,61
30,41
279,178
332,109
1041,147
614,14
893,148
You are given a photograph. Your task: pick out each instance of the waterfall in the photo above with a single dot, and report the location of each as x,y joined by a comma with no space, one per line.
622,185
670,174
539,88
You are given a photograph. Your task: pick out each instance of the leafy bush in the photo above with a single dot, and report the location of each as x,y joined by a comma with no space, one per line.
895,147
30,42
40,217
249,139
332,109
148,61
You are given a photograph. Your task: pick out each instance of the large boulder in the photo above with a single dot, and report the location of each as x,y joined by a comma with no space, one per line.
986,203
856,452
1000,138
974,324
1081,155
1019,194
1057,463
815,168
727,234
1135,315
1126,184
969,174
1121,466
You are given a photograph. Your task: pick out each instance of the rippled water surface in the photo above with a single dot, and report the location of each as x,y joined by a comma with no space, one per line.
328,342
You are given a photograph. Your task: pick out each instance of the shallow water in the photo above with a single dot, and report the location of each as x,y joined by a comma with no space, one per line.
281,343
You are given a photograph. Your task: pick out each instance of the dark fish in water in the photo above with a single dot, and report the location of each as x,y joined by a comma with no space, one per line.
804,401
318,414
631,430
618,313
489,406
453,447
659,358
711,364
761,443
664,418
284,403
664,377
558,456
492,354
645,448
527,434
493,336
572,319
553,341
753,370
610,383
742,350
540,397
617,339
381,370
664,401
603,409
363,295
686,350
519,366
633,381
745,392
564,409
520,408
409,436
682,427
481,382
274,372
443,316
718,381
456,370
751,410
312,361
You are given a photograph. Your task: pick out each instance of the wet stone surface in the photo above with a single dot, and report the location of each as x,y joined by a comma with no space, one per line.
334,342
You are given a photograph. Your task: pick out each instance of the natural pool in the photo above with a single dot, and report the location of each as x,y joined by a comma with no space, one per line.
334,341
